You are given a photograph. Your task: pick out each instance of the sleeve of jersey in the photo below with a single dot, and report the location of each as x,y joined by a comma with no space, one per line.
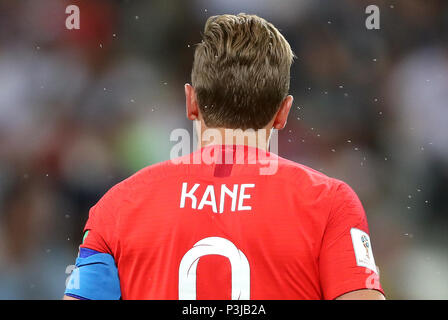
346,261
96,273
101,230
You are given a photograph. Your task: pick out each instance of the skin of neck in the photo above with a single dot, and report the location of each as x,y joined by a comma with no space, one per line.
224,136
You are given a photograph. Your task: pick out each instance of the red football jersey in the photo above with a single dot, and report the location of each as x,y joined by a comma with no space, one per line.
218,230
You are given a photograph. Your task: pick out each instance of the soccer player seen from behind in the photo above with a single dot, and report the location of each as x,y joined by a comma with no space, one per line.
231,220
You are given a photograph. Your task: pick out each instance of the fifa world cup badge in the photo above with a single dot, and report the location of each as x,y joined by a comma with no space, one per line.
365,243
363,249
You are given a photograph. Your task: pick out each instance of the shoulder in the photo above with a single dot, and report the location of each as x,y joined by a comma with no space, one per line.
145,178
304,175
308,181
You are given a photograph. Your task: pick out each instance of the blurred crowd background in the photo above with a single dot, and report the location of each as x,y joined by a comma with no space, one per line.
80,110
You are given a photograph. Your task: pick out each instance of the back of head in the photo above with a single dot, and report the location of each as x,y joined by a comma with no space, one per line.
241,71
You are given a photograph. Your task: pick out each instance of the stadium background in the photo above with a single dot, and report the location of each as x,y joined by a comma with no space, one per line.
81,110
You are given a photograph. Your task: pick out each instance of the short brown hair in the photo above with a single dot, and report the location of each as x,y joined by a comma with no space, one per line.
241,71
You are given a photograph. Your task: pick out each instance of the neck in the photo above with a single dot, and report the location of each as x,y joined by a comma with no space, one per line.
224,136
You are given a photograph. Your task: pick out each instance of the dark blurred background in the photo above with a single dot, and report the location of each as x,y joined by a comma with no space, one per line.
80,110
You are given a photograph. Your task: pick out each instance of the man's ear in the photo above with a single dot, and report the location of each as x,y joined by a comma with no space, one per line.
282,113
191,103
